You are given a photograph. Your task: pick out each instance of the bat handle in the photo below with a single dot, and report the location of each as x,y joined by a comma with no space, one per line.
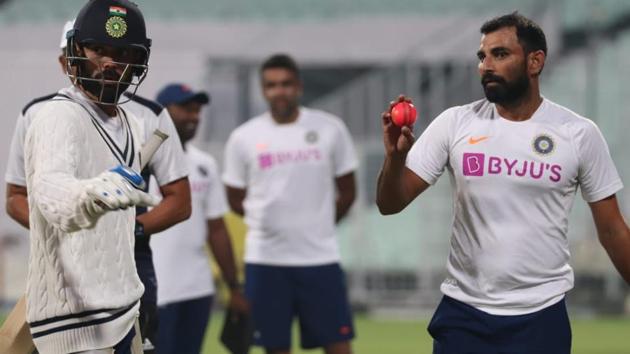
151,146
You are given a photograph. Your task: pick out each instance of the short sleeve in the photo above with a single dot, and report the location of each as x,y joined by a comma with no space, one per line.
597,174
429,155
344,154
235,163
15,166
216,202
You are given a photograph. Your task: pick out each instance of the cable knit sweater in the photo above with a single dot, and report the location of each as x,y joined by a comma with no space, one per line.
82,288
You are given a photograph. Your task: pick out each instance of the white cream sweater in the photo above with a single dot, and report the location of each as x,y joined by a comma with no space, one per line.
83,290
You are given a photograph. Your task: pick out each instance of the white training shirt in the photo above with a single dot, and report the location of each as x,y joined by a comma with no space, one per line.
180,255
167,165
288,171
514,184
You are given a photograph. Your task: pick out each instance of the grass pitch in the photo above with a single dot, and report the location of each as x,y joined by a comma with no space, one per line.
377,336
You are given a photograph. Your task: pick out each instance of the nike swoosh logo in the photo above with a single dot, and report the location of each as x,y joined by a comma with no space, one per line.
473,140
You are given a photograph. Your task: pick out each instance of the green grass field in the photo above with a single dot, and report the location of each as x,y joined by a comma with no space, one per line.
375,336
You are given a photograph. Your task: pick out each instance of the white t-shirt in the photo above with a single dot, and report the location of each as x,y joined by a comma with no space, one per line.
514,185
179,253
167,165
288,171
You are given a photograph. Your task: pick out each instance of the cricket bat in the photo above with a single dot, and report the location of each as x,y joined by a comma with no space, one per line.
15,335
151,146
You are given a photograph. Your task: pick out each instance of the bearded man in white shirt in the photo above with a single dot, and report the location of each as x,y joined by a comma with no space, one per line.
516,160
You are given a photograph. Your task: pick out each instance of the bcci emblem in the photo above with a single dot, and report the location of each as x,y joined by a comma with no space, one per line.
311,137
544,145
116,27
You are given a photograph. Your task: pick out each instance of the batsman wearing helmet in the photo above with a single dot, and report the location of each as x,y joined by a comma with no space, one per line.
168,166
81,163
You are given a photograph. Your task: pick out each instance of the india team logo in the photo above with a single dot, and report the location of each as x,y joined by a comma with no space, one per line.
543,144
116,27
311,137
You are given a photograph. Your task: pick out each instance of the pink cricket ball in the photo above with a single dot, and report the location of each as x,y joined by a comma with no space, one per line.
404,113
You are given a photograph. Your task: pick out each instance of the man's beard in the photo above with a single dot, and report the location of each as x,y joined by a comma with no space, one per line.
503,92
284,110
108,93
186,131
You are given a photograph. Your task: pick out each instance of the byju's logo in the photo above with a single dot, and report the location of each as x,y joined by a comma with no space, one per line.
268,160
474,164
265,160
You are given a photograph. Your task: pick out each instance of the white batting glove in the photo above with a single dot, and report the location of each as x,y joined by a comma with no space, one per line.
119,188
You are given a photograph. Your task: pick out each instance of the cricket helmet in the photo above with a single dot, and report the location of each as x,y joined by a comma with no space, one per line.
112,23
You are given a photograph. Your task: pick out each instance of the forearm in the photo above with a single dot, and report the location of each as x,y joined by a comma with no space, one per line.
221,247
616,241
174,207
169,212
342,206
346,193
236,198
17,208
237,208
391,196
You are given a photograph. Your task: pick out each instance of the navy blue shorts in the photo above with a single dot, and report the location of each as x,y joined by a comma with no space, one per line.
316,295
183,326
458,328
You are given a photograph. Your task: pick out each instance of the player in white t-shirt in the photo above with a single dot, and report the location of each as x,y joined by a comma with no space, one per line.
167,166
290,172
516,161
182,265
17,197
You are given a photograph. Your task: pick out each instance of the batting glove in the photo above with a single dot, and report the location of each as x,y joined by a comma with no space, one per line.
118,188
